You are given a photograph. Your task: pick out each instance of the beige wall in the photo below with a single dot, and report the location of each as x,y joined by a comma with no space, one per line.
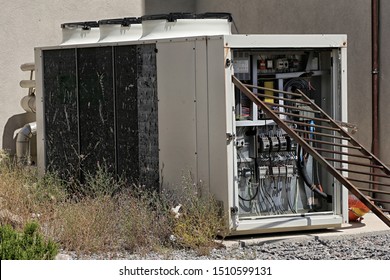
169,6
351,17
28,24
25,24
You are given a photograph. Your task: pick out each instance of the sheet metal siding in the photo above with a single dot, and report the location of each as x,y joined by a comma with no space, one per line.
147,115
101,108
96,97
61,112
127,111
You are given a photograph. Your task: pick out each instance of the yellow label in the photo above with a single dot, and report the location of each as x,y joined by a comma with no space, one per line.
268,92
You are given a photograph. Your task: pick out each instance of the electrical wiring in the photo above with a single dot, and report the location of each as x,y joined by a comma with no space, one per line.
296,83
265,193
250,198
275,196
244,207
305,176
248,183
288,193
262,196
270,200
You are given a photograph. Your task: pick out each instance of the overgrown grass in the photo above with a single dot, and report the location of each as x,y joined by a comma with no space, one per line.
103,214
200,218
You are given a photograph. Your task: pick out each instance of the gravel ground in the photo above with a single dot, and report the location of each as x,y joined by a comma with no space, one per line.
374,246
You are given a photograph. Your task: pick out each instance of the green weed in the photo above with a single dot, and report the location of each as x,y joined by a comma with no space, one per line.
26,245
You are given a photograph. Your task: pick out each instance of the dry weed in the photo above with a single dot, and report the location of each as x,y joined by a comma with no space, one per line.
110,216
89,225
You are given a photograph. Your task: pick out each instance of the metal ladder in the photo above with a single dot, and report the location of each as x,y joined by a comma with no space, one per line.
332,150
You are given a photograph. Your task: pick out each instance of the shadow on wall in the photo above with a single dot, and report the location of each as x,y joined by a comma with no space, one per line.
14,123
169,6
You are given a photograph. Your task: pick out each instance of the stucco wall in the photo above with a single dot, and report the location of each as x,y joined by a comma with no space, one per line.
27,24
351,17
37,23
169,6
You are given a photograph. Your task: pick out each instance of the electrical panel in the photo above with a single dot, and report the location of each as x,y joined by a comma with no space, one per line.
274,174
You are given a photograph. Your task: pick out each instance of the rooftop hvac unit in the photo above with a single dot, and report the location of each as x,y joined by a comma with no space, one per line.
152,109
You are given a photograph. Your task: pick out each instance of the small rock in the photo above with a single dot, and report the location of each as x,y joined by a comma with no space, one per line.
63,257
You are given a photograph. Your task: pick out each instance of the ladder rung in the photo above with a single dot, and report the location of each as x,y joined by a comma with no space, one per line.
302,116
364,173
313,125
343,153
380,200
274,90
292,107
368,181
332,143
284,99
323,134
373,191
353,162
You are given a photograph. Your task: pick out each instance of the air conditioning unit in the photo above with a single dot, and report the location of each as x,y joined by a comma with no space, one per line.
155,107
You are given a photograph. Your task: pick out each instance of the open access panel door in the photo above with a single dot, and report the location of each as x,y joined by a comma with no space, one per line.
278,186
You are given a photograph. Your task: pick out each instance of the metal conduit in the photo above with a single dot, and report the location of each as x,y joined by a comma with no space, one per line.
375,80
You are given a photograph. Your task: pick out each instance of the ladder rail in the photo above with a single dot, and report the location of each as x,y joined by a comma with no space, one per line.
322,134
331,143
298,101
342,153
303,117
312,125
364,173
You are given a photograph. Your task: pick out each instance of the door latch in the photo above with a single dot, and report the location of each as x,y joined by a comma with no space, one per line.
230,137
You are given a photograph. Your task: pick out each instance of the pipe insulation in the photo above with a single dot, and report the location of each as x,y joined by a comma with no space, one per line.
27,84
28,66
28,103
23,143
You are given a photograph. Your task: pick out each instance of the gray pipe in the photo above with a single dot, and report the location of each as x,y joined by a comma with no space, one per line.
28,103
23,143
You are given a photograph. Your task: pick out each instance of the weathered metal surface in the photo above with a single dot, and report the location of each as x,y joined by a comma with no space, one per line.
61,110
101,108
